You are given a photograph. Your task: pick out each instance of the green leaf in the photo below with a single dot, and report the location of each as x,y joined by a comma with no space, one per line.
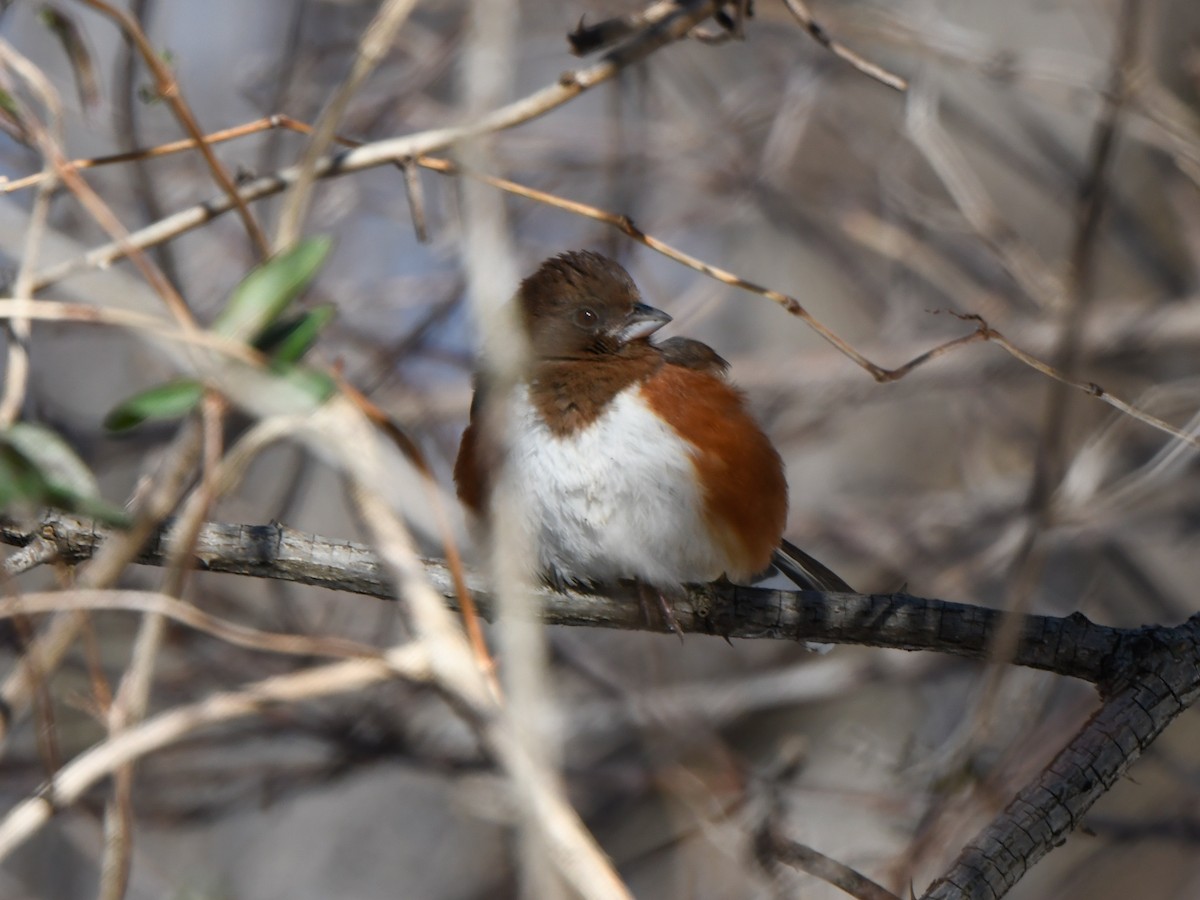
148,95
19,480
172,400
53,458
8,104
39,468
287,340
316,384
266,292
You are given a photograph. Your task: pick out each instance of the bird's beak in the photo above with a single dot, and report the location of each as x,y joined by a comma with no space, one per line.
642,322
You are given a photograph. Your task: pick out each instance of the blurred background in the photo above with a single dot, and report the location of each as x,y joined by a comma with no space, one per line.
883,213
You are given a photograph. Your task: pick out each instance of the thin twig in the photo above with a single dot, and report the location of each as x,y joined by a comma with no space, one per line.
817,32
1090,388
96,207
151,505
133,693
168,607
772,845
70,783
168,88
372,47
83,314
569,85
622,222
17,364
139,154
129,112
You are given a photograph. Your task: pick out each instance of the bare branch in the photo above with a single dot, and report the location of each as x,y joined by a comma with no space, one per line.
881,620
774,846
1144,699
69,784
817,32
168,89
168,607
568,86
372,47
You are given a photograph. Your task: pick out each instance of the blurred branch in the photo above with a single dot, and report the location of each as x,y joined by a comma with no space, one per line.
537,789
50,148
83,67
1157,116
372,48
152,503
1091,196
168,89
18,329
569,85
817,32
129,114
773,847
69,784
54,311
1047,809
160,604
128,707
587,39
983,332
929,135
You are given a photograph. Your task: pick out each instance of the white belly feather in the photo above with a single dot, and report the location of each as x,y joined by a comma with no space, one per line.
616,500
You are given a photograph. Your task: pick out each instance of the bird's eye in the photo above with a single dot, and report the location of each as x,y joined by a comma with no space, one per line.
586,317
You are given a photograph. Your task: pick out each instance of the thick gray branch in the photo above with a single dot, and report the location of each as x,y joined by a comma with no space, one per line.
1162,681
1067,646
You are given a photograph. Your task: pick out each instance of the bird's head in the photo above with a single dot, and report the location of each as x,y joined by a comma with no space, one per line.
582,305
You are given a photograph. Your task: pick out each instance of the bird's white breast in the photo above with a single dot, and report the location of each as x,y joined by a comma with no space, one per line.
617,499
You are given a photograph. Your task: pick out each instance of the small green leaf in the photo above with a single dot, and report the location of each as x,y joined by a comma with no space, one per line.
172,400
316,384
148,95
53,458
8,104
287,340
266,292
39,468
19,480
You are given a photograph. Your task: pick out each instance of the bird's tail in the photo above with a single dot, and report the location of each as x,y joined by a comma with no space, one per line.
807,573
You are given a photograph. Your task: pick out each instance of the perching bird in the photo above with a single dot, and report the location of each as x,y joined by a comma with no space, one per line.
635,460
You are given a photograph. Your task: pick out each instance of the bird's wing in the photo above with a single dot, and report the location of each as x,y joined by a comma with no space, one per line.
691,354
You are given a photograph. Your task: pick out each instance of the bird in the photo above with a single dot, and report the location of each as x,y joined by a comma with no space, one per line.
635,460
